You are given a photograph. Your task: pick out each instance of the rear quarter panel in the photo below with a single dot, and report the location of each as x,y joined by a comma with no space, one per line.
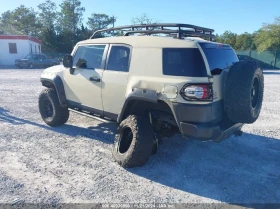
146,72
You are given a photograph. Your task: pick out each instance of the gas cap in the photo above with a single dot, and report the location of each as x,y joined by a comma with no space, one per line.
170,91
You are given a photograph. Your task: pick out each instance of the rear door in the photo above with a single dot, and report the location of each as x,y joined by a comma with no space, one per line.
42,60
115,79
36,60
219,58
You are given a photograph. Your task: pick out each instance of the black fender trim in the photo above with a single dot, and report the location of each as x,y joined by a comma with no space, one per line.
140,95
59,87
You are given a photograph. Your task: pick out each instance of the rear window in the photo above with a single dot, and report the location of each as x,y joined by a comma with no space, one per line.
219,56
183,62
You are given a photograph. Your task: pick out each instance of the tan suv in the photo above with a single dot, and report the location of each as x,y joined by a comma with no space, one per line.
154,86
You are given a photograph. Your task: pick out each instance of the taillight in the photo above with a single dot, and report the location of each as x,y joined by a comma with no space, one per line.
197,92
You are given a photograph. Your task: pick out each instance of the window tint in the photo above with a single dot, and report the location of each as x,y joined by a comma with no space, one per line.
119,59
183,62
13,48
89,56
41,57
29,56
219,56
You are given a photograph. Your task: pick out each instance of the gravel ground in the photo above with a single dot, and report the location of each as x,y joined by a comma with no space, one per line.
73,163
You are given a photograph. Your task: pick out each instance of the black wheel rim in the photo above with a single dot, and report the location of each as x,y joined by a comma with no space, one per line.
47,108
125,140
255,91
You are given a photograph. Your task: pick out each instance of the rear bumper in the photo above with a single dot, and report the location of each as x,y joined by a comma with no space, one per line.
215,133
197,113
204,121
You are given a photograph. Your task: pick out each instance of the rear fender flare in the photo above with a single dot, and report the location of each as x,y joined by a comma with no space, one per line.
137,94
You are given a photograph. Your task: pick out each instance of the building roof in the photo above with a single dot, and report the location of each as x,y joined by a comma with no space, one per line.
20,37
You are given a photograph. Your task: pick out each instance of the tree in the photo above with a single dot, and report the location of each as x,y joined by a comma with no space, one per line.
245,41
47,14
70,16
268,37
143,19
69,21
100,21
2,31
227,37
47,17
21,21
7,23
83,33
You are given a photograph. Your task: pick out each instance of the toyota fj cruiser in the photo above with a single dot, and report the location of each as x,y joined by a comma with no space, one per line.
154,86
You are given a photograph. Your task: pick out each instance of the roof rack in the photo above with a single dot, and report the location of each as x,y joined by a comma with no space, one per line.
181,30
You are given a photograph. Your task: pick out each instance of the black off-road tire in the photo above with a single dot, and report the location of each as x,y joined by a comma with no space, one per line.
138,133
243,93
51,111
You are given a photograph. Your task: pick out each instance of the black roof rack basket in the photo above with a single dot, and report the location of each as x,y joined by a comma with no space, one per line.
181,30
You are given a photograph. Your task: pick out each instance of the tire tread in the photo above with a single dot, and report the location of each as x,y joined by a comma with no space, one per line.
141,148
61,114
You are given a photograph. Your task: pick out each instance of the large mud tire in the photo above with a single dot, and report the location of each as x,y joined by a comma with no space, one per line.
243,95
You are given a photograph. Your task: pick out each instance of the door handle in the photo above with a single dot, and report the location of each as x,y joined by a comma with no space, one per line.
94,79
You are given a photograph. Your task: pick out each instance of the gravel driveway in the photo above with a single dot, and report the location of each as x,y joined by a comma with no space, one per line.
73,163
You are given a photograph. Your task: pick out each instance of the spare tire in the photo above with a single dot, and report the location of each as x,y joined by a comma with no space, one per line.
243,95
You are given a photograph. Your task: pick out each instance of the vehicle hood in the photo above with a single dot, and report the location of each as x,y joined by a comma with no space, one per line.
54,69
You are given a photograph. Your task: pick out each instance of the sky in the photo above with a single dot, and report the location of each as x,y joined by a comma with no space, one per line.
238,16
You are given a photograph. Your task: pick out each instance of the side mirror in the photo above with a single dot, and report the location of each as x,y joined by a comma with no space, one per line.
68,61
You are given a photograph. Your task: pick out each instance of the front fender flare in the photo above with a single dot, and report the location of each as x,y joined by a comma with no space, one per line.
56,81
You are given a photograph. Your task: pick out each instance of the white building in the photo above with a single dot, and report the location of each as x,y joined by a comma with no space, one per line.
14,47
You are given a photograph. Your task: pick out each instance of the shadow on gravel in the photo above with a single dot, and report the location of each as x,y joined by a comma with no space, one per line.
103,132
237,170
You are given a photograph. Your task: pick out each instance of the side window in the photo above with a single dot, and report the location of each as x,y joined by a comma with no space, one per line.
42,57
183,62
119,59
89,56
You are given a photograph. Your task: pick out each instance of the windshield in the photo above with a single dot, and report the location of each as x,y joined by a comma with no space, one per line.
219,56
28,56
